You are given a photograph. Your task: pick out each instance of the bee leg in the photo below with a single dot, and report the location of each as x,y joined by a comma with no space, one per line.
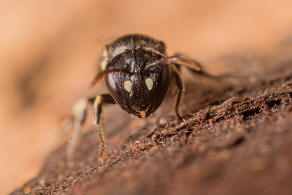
98,102
179,60
179,84
192,65
196,68
78,119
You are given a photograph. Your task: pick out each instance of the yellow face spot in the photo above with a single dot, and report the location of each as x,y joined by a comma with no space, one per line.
149,83
128,86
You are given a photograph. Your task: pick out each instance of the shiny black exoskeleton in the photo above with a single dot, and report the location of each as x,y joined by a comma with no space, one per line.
140,90
137,73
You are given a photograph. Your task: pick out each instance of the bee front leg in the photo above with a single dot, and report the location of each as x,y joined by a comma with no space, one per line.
98,103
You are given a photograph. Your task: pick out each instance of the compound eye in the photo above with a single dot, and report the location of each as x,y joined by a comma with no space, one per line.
128,86
149,83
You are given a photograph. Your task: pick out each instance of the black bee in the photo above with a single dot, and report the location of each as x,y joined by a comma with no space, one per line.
137,73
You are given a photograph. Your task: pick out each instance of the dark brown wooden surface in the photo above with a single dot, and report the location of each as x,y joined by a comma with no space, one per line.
236,139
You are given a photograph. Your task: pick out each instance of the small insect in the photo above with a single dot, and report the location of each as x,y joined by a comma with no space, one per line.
137,73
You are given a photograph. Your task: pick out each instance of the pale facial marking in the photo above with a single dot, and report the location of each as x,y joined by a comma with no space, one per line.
128,86
149,83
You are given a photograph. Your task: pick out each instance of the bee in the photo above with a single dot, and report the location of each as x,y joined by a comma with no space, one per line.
137,73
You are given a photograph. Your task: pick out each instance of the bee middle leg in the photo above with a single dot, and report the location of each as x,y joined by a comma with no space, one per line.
77,121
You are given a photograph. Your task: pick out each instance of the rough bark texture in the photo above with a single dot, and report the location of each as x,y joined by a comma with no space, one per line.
236,139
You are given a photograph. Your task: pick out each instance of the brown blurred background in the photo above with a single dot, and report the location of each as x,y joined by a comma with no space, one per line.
49,51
